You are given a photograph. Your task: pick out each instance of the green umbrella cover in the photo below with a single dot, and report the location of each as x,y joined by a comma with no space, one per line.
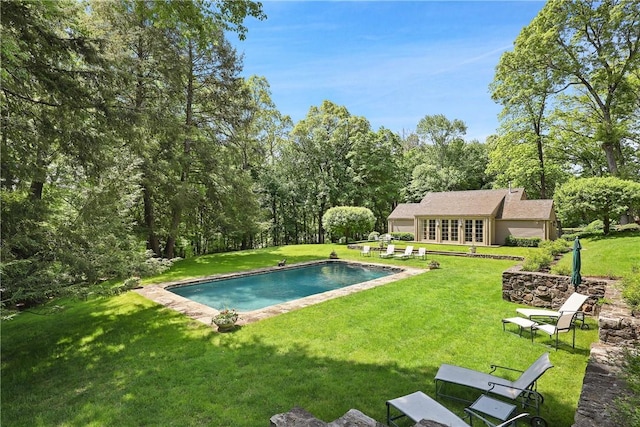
576,279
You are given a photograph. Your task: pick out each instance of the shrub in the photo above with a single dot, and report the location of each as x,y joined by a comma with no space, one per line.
537,260
628,405
629,227
631,288
555,247
596,225
407,237
373,236
525,242
561,270
582,234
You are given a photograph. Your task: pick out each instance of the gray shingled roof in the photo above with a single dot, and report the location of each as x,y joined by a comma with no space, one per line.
477,203
405,211
528,209
463,203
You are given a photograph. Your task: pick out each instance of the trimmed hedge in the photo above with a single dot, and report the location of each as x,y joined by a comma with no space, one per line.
524,242
407,237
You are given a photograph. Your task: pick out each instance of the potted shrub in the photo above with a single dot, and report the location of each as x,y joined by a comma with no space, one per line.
472,249
433,264
333,255
225,320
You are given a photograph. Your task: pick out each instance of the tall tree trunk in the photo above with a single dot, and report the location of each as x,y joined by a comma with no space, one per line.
153,243
176,211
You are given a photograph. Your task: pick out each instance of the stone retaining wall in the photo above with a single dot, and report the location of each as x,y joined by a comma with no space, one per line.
618,330
549,290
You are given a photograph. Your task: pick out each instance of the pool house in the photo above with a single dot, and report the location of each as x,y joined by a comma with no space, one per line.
475,217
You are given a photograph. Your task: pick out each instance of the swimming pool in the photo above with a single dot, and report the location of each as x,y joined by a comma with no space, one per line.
249,292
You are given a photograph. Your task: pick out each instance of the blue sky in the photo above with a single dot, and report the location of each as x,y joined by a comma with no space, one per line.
392,62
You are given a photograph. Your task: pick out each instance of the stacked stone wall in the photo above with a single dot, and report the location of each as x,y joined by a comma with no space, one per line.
550,291
618,330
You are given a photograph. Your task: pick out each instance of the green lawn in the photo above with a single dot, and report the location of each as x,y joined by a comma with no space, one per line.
607,256
126,361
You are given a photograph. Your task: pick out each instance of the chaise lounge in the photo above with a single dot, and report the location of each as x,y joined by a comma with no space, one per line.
391,249
408,253
522,389
572,304
418,406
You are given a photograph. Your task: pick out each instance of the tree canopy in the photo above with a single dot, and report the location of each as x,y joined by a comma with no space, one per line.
129,135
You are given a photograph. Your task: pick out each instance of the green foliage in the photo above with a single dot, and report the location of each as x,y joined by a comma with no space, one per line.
525,242
588,199
398,235
631,288
537,260
633,227
373,236
347,221
628,404
555,247
594,226
557,62
442,160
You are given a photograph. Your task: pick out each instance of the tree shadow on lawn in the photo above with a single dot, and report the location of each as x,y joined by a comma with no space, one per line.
118,362
233,261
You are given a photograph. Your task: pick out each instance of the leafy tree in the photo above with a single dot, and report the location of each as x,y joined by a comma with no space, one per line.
518,152
444,161
444,135
108,98
588,51
581,201
348,221
185,99
321,143
375,161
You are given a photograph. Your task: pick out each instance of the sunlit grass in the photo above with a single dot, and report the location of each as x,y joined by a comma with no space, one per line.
606,256
126,361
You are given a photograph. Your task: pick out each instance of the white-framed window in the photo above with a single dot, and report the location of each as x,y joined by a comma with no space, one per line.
454,230
445,229
468,230
479,231
432,229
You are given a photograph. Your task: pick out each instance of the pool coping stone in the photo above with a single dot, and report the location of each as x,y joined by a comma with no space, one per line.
159,293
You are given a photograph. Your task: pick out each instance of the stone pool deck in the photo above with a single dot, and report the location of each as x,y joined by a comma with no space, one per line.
202,313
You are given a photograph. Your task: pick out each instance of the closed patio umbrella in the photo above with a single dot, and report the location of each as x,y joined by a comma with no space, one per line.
576,279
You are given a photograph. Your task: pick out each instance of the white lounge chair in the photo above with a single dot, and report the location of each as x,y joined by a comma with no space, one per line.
572,304
564,324
422,253
522,389
366,250
391,249
418,406
408,253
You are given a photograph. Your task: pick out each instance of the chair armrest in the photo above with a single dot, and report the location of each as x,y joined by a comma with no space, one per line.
517,417
473,413
527,392
494,367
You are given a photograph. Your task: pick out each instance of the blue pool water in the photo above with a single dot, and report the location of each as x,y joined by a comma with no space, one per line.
257,291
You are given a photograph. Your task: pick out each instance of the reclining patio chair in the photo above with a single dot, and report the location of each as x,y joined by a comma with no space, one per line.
366,250
573,303
418,406
422,253
522,390
391,249
408,253
565,323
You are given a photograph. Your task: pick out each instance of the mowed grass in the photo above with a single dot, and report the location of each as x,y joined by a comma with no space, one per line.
607,256
126,361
